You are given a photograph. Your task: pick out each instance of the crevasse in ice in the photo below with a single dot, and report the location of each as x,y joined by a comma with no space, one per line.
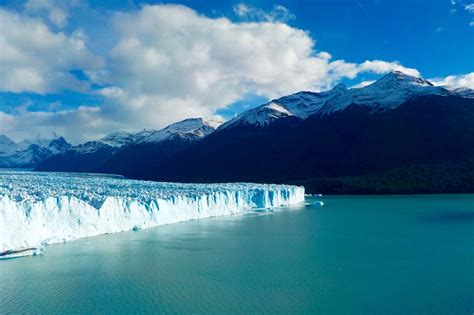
56,207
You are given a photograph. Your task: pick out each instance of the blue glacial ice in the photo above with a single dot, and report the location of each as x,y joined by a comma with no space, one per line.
44,208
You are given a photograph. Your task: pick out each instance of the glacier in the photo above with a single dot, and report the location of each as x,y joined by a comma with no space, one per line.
45,208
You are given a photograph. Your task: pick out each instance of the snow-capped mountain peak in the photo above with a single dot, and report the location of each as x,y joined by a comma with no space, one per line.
113,140
58,145
191,129
304,104
259,116
7,145
400,79
28,153
301,105
118,139
42,143
386,93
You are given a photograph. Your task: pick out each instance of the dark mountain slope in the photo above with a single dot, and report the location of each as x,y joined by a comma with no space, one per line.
135,161
88,161
130,154
425,130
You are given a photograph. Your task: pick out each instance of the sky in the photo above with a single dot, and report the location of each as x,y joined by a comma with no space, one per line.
83,69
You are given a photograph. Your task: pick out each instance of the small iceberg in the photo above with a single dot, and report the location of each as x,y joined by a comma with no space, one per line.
22,252
313,195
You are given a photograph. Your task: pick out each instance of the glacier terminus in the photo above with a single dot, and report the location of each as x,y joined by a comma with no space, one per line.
43,208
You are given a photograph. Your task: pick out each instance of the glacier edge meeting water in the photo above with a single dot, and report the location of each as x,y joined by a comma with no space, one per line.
46,208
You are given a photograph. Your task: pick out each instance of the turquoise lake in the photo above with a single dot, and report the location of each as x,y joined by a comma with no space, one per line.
355,255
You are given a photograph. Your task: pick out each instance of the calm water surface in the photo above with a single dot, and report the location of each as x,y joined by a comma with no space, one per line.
356,255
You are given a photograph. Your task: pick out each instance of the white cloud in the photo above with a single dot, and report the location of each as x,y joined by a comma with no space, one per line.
76,125
455,81
169,63
381,67
278,13
469,7
172,63
35,59
112,92
340,68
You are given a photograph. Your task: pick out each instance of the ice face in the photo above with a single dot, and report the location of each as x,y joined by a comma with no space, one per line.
56,207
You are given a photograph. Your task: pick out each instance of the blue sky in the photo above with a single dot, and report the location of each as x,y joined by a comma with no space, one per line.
86,68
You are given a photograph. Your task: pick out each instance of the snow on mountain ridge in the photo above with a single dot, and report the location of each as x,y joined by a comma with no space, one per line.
304,104
300,104
464,92
386,93
260,116
30,151
7,145
191,129
400,78
118,138
58,145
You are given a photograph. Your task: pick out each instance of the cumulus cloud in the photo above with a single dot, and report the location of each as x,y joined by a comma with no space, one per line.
278,13
381,67
35,59
171,52
341,69
78,125
455,81
169,63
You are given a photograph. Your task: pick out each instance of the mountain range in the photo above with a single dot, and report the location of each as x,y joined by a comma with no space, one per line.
400,134
29,153
130,153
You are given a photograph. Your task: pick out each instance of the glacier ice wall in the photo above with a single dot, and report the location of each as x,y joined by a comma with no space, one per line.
56,207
